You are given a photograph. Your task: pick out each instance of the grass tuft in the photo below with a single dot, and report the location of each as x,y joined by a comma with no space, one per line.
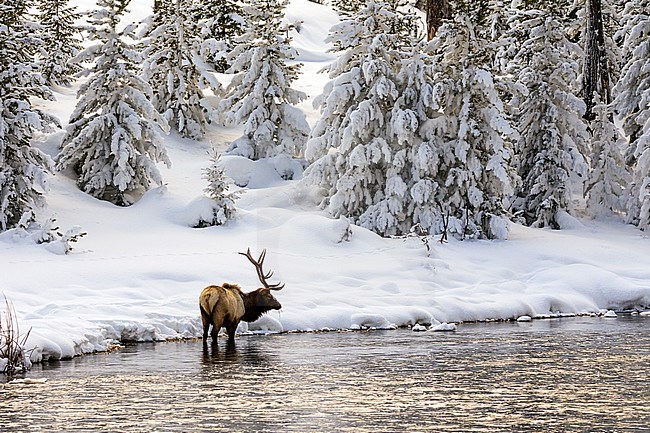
14,358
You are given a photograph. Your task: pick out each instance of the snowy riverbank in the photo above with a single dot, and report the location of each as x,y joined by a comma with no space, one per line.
137,274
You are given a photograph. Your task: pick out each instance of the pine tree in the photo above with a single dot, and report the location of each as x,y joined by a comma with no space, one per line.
174,69
364,177
60,41
642,178
436,11
409,196
608,179
162,10
16,13
632,88
553,134
223,206
602,56
475,156
348,8
23,168
220,23
115,136
502,42
632,103
260,95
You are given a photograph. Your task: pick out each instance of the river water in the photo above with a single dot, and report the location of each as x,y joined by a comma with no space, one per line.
560,375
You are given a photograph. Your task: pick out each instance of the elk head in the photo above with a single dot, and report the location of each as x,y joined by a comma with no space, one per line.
261,300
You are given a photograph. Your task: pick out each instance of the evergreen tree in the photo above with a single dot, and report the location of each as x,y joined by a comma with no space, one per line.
632,88
16,13
476,148
220,23
174,69
553,134
259,95
436,11
348,8
642,182
608,179
60,41
162,10
501,39
411,192
632,103
595,74
23,168
365,177
115,134
611,16
223,206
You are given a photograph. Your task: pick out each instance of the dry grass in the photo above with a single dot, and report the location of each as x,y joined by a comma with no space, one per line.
13,357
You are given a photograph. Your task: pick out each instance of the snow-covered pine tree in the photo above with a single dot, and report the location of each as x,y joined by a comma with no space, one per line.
502,49
162,9
632,104
223,202
356,112
260,95
61,41
642,180
348,8
436,11
16,13
553,135
220,22
474,158
411,194
595,71
611,23
174,68
608,179
115,135
23,168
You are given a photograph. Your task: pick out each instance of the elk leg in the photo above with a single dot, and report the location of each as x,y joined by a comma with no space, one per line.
206,327
206,320
231,328
217,323
215,331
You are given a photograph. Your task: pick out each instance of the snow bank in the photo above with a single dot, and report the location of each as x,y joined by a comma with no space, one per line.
138,273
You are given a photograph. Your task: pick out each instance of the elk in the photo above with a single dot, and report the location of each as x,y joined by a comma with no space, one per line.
226,305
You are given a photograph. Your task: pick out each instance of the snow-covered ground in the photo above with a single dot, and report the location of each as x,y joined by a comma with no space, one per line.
138,272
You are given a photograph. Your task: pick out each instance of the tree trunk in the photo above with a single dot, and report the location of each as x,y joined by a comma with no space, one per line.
596,70
436,11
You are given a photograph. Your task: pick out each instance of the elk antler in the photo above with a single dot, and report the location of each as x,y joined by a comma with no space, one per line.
260,273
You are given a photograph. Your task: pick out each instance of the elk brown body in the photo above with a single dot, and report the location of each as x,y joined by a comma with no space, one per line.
227,305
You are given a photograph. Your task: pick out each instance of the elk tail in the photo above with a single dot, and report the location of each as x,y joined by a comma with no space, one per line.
207,316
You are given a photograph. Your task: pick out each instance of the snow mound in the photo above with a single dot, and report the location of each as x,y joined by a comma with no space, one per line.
444,327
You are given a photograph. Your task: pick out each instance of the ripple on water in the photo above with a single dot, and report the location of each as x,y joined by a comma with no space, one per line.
566,375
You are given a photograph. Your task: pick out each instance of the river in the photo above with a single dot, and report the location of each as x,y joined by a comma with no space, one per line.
578,374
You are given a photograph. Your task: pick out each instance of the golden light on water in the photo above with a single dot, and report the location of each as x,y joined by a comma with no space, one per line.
479,379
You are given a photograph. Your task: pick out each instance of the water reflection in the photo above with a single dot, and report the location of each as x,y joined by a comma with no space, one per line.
565,375
213,354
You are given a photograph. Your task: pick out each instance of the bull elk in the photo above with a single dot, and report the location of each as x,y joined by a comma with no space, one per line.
226,305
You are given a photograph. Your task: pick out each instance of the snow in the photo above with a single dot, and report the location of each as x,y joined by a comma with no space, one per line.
138,272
